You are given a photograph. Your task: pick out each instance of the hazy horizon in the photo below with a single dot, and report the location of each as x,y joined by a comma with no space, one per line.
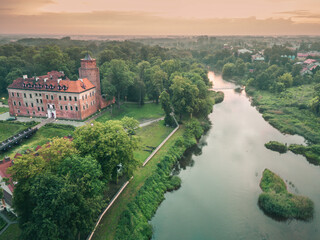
166,17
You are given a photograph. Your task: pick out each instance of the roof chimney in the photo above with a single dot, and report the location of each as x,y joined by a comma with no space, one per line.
59,79
25,76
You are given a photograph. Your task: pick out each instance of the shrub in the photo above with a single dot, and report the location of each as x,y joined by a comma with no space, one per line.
276,146
276,201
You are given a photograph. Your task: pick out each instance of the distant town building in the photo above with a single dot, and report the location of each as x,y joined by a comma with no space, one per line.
244,50
257,57
302,56
55,96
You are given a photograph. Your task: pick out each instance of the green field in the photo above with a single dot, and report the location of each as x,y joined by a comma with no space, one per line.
41,137
141,113
289,111
13,233
8,129
151,135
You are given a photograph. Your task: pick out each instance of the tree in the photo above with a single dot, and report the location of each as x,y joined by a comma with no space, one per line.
315,102
119,75
228,70
184,95
155,84
286,79
110,144
55,189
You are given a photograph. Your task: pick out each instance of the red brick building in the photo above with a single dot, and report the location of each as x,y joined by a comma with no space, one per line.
55,96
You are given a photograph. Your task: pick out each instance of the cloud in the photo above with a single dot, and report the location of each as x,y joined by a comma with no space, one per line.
301,14
22,6
141,23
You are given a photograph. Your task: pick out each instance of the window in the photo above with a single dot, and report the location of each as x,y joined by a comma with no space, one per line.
76,108
36,94
42,109
31,104
70,98
26,104
33,113
47,97
30,95
40,100
38,109
61,108
40,94
19,103
71,108
75,98
82,97
66,107
86,96
37,100
65,98
90,94
59,97
51,97
84,107
87,105
14,103
53,107
13,94
18,111
28,112
18,95
25,95
48,105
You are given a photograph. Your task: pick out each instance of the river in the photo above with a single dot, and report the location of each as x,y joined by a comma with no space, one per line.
220,181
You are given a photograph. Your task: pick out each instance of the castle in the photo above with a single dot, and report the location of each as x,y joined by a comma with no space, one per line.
55,96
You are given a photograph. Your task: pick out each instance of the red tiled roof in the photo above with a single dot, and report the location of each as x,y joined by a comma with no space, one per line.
308,61
52,82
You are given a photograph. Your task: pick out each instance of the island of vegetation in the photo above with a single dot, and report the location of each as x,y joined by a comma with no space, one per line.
277,202
276,146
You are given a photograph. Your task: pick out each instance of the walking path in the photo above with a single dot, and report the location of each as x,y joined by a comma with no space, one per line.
145,162
9,222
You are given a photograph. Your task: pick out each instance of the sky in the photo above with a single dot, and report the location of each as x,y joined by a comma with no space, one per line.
160,17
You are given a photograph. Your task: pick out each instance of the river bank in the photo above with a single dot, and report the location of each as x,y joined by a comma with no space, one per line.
218,198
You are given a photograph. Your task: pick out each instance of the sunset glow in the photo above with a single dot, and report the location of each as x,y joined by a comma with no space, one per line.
143,17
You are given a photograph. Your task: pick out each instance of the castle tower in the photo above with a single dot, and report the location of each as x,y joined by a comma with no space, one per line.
90,71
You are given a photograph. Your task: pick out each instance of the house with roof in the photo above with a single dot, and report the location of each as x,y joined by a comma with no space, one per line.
56,96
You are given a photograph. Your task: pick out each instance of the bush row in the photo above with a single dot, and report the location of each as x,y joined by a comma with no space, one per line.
133,222
312,153
61,126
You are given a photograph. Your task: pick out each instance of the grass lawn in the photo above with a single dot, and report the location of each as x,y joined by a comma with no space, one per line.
8,129
13,233
108,225
4,110
151,135
39,138
146,112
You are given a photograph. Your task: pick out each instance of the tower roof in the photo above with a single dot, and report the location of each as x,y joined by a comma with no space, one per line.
88,57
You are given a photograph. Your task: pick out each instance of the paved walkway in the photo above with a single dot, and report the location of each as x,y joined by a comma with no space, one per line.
9,222
150,122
